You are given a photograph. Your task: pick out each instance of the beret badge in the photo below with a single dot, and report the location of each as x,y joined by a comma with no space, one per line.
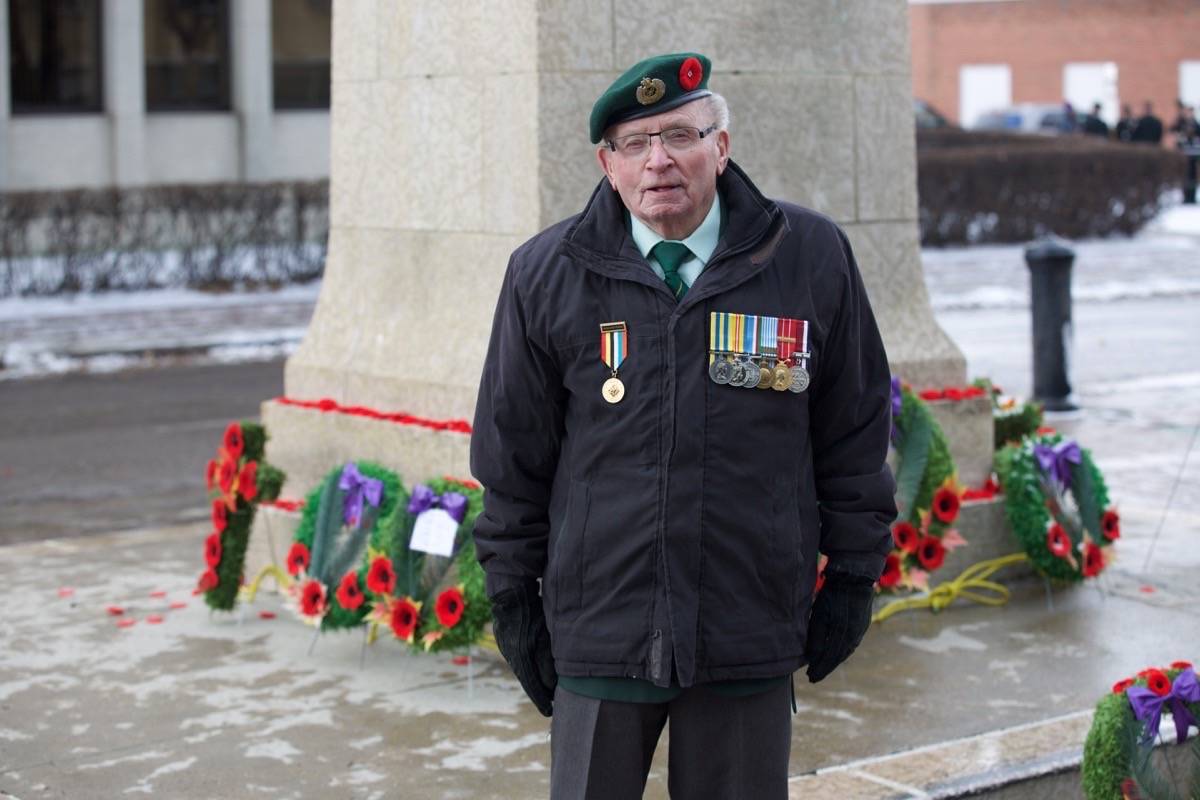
650,91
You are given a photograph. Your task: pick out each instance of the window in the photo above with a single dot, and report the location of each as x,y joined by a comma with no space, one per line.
187,55
300,33
54,55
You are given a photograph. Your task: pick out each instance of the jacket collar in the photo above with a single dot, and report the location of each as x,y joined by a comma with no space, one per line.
601,239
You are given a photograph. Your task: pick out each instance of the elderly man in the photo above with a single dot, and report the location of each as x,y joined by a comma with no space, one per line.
685,398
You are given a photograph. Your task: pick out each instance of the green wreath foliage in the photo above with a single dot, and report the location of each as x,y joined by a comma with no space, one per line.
924,456
384,527
1010,424
238,521
1113,752
1025,505
465,572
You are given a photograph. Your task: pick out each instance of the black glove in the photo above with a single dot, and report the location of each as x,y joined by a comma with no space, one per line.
840,617
519,625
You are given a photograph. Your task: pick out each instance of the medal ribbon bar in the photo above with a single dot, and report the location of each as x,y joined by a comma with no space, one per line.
614,344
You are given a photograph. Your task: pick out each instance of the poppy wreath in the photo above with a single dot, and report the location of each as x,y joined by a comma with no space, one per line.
1057,505
927,494
359,507
1116,753
237,481
430,602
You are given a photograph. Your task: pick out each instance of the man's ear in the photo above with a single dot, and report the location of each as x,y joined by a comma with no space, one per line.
722,150
604,156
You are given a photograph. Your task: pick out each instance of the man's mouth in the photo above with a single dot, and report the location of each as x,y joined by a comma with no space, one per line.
653,190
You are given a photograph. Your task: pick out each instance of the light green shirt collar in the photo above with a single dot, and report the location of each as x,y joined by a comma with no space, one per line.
702,242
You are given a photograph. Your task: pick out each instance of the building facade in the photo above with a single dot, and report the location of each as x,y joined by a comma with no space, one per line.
972,56
114,93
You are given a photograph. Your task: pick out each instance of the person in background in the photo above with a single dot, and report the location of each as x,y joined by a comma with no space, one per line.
1093,125
1149,128
1126,124
1185,127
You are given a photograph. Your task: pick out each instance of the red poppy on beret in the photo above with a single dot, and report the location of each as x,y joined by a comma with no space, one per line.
690,73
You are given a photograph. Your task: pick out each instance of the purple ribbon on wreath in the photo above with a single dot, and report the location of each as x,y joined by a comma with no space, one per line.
359,489
1148,706
424,499
897,406
1056,460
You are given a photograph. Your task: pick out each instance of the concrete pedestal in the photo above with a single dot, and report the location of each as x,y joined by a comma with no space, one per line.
458,131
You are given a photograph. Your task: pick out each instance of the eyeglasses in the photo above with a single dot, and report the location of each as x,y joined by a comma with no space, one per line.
674,140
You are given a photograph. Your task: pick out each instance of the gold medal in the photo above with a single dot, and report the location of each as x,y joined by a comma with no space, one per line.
781,377
765,378
613,390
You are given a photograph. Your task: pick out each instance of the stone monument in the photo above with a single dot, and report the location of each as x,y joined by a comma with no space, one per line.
460,130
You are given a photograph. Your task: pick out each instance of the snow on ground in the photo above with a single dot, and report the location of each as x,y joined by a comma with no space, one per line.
117,330
12,308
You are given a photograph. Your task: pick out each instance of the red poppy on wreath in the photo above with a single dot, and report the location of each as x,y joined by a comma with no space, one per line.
212,549
973,391
349,594
1057,541
954,393
1110,525
404,616
931,553
450,606
208,580
1120,686
210,474
1181,664
1158,682
220,515
946,501
381,578
905,536
298,558
1093,560
248,480
691,72
891,572
931,394
312,598
233,441
226,474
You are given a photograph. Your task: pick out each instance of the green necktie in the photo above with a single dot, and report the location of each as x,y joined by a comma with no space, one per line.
670,255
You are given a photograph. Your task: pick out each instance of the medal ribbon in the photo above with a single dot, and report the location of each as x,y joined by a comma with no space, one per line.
768,336
614,344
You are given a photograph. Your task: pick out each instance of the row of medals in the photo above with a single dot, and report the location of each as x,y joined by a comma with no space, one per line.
748,374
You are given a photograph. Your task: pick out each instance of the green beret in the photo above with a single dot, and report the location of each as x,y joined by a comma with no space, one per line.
651,87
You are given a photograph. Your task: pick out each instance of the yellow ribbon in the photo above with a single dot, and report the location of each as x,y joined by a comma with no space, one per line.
282,581
970,585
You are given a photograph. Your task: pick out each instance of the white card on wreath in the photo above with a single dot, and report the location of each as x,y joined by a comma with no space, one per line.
434,532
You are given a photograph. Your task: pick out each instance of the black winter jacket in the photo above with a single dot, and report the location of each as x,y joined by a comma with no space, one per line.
677,531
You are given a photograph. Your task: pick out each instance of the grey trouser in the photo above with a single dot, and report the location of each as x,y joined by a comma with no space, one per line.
720,747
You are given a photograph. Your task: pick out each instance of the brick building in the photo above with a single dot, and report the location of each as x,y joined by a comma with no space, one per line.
971,56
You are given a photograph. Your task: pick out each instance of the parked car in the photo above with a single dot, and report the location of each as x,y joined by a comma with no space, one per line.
1047,118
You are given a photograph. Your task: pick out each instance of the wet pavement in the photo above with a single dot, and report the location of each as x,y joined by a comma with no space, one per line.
203,705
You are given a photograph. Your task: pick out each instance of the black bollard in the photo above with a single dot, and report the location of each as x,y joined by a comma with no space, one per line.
1049,263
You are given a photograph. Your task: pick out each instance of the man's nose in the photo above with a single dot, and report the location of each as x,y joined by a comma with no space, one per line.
659,155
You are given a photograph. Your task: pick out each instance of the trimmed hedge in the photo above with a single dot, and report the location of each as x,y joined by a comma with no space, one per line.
1002,187
209,236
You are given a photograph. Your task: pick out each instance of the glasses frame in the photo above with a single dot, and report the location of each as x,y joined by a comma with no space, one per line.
612,143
